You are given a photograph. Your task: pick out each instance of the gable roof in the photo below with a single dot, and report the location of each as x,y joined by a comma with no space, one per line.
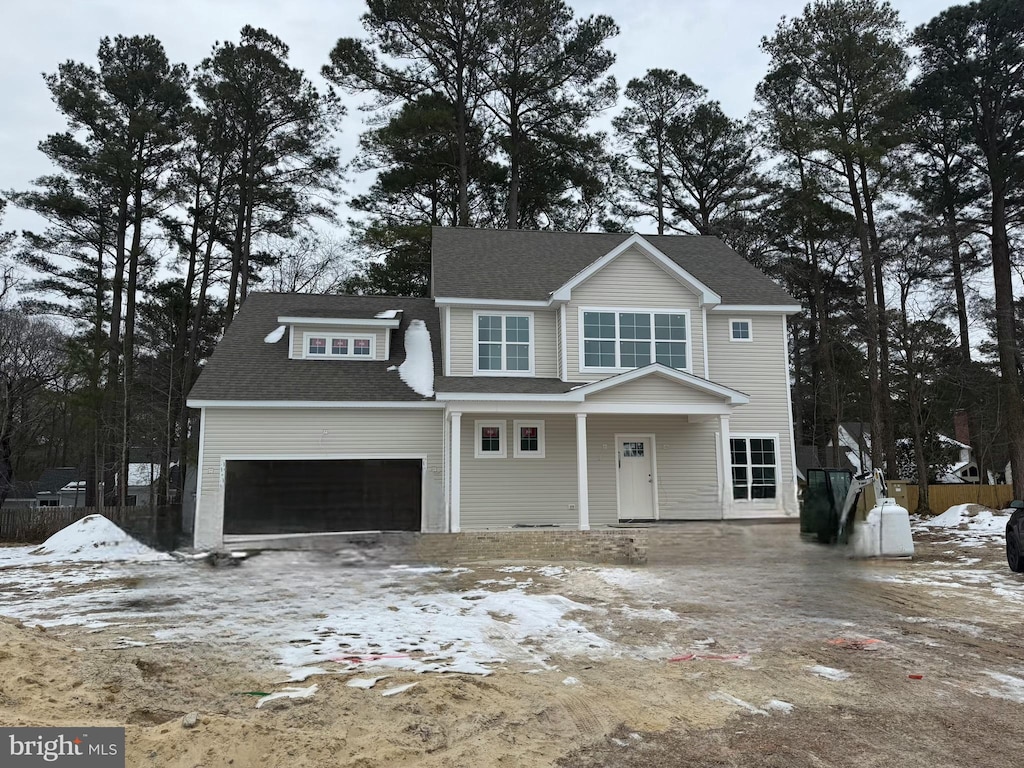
23,489
530,265
55,478
244,367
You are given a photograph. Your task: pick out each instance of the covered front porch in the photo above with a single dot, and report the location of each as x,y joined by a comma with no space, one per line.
652,446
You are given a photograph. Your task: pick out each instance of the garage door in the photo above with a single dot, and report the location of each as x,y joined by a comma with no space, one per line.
288,496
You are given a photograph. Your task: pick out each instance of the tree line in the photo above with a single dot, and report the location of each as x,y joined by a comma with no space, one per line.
878,179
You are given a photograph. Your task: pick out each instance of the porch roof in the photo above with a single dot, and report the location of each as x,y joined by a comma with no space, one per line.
511,389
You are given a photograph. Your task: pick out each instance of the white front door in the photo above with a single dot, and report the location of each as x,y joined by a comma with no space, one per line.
636,478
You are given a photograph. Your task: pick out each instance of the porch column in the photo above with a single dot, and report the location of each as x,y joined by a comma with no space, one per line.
726,461
455,513
581,471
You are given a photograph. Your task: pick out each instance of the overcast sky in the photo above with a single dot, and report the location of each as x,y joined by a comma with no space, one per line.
715,42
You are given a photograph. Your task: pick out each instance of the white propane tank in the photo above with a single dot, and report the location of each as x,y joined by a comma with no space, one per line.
885,532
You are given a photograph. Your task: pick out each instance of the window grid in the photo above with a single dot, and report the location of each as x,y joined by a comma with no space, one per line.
528,439
753,468
623,339
489,439
741,329
503,343
330,346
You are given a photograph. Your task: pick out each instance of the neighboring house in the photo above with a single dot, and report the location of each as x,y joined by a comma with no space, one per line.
578,381
855,451
22,495
53,488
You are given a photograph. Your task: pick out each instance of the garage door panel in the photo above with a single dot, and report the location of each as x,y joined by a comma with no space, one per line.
293,496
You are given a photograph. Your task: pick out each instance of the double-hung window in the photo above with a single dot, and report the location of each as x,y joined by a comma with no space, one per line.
329,346
631,338
503,343
754,467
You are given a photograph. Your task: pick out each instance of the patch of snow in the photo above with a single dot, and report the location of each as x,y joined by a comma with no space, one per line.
418,369
95,538
778,705
288,693
397,689
728,698
970,517
570,681
365,682
1012,688
828,673
275,335
388,314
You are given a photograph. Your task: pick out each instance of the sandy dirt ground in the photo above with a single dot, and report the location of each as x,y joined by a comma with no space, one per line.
786,654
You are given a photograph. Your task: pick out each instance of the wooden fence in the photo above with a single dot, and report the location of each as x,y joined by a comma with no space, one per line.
942,497
157,526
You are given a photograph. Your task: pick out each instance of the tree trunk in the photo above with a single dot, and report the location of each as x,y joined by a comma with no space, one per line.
1006,335
872,331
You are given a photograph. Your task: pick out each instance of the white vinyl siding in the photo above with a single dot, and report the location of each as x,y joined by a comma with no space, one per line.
317,432
632,280
761,372
499,493
462,352
654,389
687,469
509,492
299,334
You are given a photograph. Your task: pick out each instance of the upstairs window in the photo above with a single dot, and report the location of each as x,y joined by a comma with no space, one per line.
622,339
336,347
741,330
503,344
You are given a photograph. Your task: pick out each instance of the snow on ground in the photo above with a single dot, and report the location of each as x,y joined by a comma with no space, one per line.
972,518
306,613
1010,687
93,538
829,673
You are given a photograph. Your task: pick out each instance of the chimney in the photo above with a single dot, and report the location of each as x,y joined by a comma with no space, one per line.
961,430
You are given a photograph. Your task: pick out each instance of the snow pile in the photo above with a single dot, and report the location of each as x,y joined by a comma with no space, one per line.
275,335
418,369
388,314
829,673
95,538
970,517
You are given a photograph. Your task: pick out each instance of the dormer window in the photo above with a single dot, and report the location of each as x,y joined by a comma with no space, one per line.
503,344
337,347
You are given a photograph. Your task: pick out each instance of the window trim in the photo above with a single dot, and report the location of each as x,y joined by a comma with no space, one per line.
502,426
750,327
350,337
532,345
584,368
517,451
748,436
47,503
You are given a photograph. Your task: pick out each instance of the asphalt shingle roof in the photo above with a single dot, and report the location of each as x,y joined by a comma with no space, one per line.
530,264
518,385
55,478
244,367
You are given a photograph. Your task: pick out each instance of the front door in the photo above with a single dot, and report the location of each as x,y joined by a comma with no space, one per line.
636,478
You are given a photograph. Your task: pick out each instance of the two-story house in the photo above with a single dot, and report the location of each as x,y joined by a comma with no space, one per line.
578,380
